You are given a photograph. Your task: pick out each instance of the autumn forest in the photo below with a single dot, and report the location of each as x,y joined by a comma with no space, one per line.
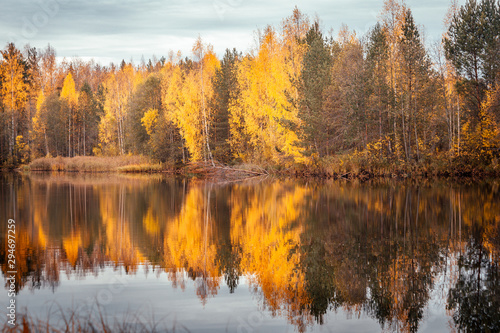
300,99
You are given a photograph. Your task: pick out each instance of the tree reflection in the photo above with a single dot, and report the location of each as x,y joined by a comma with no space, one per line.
306,249
475,298
319,278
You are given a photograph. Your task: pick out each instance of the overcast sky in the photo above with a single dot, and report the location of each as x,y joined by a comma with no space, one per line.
111,30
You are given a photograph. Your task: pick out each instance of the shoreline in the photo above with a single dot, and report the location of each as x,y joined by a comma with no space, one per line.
143,165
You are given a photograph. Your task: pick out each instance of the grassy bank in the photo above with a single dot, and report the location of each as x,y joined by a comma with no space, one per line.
96,164
347,166
364,166
141,164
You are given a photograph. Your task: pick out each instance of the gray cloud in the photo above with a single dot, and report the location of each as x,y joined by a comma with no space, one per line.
116,29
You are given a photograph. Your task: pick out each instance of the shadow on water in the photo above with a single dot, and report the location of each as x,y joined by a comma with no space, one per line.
382,250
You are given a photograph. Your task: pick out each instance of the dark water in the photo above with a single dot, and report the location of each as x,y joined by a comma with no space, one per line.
260,256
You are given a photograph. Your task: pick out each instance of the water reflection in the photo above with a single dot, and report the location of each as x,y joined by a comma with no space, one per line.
305,248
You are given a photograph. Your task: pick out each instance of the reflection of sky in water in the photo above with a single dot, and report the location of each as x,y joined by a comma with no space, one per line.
151,295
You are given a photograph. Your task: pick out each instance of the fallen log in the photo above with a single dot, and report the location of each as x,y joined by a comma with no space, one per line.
219,170
263,172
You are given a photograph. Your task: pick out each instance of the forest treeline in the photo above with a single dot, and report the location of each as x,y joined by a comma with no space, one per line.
300,98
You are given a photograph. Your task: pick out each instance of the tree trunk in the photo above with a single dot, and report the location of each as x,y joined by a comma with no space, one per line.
404,132
46,142
84,139
12,133
458,126
205,121
69,133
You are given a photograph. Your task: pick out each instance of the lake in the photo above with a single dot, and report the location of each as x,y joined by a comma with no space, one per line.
263,255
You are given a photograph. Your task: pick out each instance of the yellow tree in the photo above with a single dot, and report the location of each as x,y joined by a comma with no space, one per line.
185,99
171,91
265,114
39,126
119,87
33,80
13,88
150,120
207,65
480,141
182,108
70,96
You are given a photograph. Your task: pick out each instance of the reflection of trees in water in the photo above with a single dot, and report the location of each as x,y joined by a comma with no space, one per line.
60,227
306,249
380,249
475,297
378,259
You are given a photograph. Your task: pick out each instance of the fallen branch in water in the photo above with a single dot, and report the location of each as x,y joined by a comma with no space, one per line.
219,170
239,180
263,172
345,175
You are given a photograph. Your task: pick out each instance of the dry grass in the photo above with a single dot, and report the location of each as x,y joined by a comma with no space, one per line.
85,318
141,168
95,164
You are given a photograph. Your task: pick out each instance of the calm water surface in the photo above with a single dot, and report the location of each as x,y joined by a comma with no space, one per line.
259,256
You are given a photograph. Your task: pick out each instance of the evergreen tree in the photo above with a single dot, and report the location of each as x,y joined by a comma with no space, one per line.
315,78
378,88
225,89
491,17
89,112
415,73
55,114
471,43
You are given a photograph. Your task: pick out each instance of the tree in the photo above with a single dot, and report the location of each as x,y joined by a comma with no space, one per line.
378,88
415,74
447,78
186,96
34,81
39,128
70,96
225,90
264,119
119,87
13,89
48,68
316,76
346,97
182,105
470,44
146,97
89,115
207,65
392,20
481,140
53,117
